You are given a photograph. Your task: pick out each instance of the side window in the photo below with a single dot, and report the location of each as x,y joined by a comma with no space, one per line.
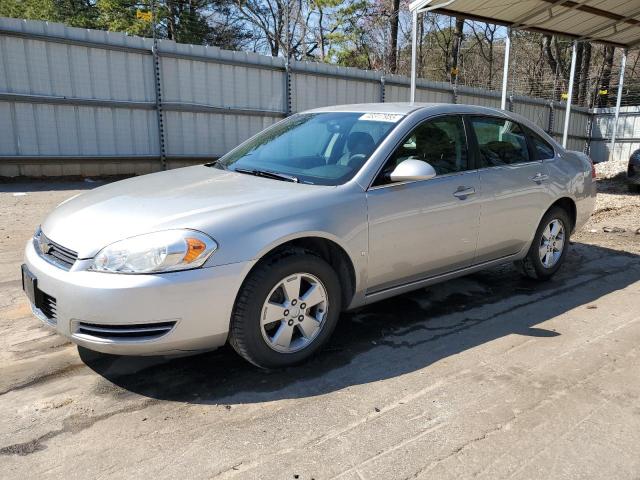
440,142
543,150
500,141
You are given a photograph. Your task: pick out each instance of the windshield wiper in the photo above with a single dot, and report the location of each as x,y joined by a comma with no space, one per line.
215,164
268,174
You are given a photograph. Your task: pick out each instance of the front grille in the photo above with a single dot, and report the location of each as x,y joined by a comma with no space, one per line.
55,253
142,331
47,305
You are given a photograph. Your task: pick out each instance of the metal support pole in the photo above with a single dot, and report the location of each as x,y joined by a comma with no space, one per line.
414,53
567,112
382,89
505,72
623,65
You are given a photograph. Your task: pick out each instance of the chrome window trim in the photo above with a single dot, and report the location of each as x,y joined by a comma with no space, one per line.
510,165
408,182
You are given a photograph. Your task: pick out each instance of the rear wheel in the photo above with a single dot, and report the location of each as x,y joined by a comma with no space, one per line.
549,246
286,310
634,188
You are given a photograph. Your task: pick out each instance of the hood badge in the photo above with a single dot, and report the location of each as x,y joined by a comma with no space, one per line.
45,247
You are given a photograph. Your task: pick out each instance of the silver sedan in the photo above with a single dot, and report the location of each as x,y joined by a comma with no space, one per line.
325,211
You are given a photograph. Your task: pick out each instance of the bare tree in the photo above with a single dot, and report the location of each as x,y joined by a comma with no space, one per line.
605,82
393,47
455,49
485,41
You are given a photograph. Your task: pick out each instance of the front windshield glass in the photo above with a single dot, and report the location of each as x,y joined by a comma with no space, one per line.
316,148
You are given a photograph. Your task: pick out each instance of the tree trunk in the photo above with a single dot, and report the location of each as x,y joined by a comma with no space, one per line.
420,42
172,20
490,85
548,45
584,75
455,49
605,84
393,44
577,73
321,32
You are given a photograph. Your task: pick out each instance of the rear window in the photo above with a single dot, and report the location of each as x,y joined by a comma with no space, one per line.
501,141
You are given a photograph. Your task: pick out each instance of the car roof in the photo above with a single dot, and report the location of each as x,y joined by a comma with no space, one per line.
405,108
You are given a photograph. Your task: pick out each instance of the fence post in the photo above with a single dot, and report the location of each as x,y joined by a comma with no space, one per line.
511,102
587,144
382,88
158,89
287,88
551,118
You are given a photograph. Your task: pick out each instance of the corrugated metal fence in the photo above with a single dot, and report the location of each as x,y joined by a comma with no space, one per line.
627,134
84,102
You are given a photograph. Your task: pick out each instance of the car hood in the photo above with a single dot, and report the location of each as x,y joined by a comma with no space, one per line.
181,198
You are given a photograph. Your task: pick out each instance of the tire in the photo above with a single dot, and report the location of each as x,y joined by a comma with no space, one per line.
633,188
532,266
264,343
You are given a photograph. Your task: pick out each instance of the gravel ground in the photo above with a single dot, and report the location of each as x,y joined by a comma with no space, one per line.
612,168
617,209
488,376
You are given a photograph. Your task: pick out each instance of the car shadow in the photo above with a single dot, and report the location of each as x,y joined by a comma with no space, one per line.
617,185
386,339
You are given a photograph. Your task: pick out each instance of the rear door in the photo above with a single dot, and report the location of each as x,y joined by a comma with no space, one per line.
514,186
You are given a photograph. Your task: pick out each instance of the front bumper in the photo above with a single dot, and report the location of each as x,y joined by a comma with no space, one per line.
199,301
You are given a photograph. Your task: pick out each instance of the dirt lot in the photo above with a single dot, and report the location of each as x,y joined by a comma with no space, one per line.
489,376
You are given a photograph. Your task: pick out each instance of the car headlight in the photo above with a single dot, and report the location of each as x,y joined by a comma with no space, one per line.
166,251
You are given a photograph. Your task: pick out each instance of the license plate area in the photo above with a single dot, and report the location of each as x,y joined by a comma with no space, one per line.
44,306
30,286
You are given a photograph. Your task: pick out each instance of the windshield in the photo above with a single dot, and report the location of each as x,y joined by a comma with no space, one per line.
315,148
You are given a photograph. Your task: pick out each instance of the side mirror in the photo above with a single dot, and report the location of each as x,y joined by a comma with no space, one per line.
411,170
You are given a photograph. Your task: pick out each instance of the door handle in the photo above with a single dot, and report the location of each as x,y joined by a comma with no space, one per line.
463,192
539,177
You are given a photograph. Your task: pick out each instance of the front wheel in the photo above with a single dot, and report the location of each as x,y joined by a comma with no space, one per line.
286,310
549,246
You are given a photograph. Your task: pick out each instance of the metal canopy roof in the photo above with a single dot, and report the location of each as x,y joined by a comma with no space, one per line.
616,22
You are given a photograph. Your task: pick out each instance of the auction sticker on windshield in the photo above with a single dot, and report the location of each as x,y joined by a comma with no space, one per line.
381,117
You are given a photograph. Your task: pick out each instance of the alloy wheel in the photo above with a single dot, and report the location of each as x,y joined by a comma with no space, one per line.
552,243
294,313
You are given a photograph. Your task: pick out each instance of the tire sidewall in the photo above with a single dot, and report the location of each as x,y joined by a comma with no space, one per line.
262,354
534,256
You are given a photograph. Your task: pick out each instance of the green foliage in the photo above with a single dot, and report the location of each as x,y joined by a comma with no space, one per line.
76,13
185,21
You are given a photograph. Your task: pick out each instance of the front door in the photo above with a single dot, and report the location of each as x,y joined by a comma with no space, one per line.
423,228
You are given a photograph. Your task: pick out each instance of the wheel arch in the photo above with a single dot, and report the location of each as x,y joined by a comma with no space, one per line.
326,248
569,206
